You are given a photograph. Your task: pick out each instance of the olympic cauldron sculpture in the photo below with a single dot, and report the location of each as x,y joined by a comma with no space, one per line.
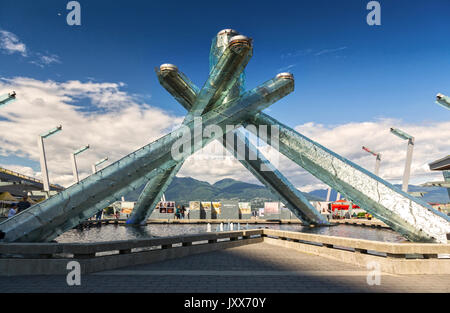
221,102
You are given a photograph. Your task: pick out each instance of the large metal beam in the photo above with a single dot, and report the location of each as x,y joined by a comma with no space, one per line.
273,179
48,219
443,100
223,76
411,217
7,98
186,93
152,193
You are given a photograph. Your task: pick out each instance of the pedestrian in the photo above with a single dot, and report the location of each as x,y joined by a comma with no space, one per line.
12,211
99,215
177,213
183,211
23,204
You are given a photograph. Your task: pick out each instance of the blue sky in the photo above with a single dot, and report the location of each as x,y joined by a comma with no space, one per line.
346,71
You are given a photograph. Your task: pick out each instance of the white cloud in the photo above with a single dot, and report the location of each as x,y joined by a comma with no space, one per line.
123,125
432,142
43,60
49,59
24,170
10,43
297,53
114,131
306,52
287,68
326,51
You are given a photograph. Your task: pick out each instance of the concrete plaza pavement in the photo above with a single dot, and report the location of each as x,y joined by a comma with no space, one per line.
255,268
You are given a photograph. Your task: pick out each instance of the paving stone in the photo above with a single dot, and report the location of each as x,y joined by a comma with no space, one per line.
253,268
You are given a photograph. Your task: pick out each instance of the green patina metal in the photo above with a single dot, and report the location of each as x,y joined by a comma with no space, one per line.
188,95
410,216
54,216
221,102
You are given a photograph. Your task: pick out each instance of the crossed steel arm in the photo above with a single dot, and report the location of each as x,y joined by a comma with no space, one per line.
60,213
222,78
188,95
222,106
443,100
7,98
410,216
258,166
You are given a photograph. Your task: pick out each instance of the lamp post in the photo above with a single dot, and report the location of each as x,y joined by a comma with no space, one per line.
94,166
43,159
409,153
7,98
377,161
328,194
443,100
74,162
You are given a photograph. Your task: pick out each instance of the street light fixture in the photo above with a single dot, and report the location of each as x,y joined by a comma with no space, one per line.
378,159
409,153
94,166
43,159
328,194
7,98
74,162
443,100
338,195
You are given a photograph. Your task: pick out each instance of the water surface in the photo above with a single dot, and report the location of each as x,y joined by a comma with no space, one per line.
120,232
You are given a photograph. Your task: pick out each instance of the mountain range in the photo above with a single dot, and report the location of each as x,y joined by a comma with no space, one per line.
185,189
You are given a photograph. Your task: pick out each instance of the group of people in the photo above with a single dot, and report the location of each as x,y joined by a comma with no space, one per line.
19,207
180,212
